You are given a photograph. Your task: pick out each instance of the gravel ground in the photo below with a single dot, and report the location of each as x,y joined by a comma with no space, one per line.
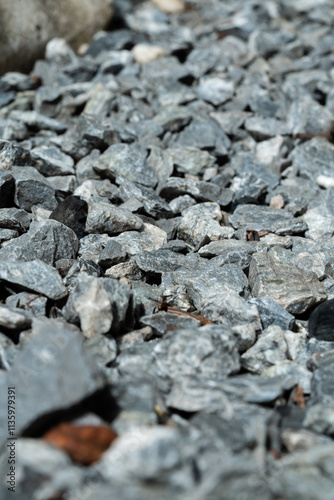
166,238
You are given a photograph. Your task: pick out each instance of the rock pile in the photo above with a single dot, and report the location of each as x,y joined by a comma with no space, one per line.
166,232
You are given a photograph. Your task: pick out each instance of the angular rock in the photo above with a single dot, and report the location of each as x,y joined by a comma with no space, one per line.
320,324
47,240
295,290
53,161
31,188
260,218
107,218
54,370
33,276
127,161
14,218
271,313
72,212
100,305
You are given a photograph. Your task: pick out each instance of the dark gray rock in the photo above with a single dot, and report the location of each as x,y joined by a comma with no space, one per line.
229,252
54,370
31,188
72,212
14,218
320,324
46,240
113,253
33,276
30,302
271,313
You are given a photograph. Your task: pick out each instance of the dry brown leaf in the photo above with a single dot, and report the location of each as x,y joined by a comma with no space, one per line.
83,443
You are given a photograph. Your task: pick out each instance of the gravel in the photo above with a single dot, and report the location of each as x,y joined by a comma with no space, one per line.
166,254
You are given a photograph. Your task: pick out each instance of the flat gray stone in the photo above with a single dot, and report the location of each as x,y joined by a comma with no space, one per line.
31,188
261,218
109,219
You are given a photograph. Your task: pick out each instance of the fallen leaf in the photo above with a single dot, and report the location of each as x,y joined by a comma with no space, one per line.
83,443
298,397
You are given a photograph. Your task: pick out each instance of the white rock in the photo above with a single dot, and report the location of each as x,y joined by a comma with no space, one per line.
146,53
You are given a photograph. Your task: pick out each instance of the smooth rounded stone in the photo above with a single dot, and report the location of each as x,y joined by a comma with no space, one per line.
143,53
127,161
271,313
99,305
15,219
31,188
229,252
153,204
71,212
191,160
321,322
149,239
46,240
163,322
325,181
294,289
269,349
262,218
113,253
33,276
14,318
52,161
109,219
314,158
29,302
209,351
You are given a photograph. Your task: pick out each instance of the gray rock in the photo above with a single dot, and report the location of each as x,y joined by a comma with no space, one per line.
113,253
293,289
209,351
191,160
14,218
264,128
307,116
200,222
107,218
30,302
100,305
215,90
54,371
229,252
154,205
260,218
46,240
162,322
127,161
270,349
13,318
314,158
53,161
202,191
33,276
31,188
271,313
35,120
